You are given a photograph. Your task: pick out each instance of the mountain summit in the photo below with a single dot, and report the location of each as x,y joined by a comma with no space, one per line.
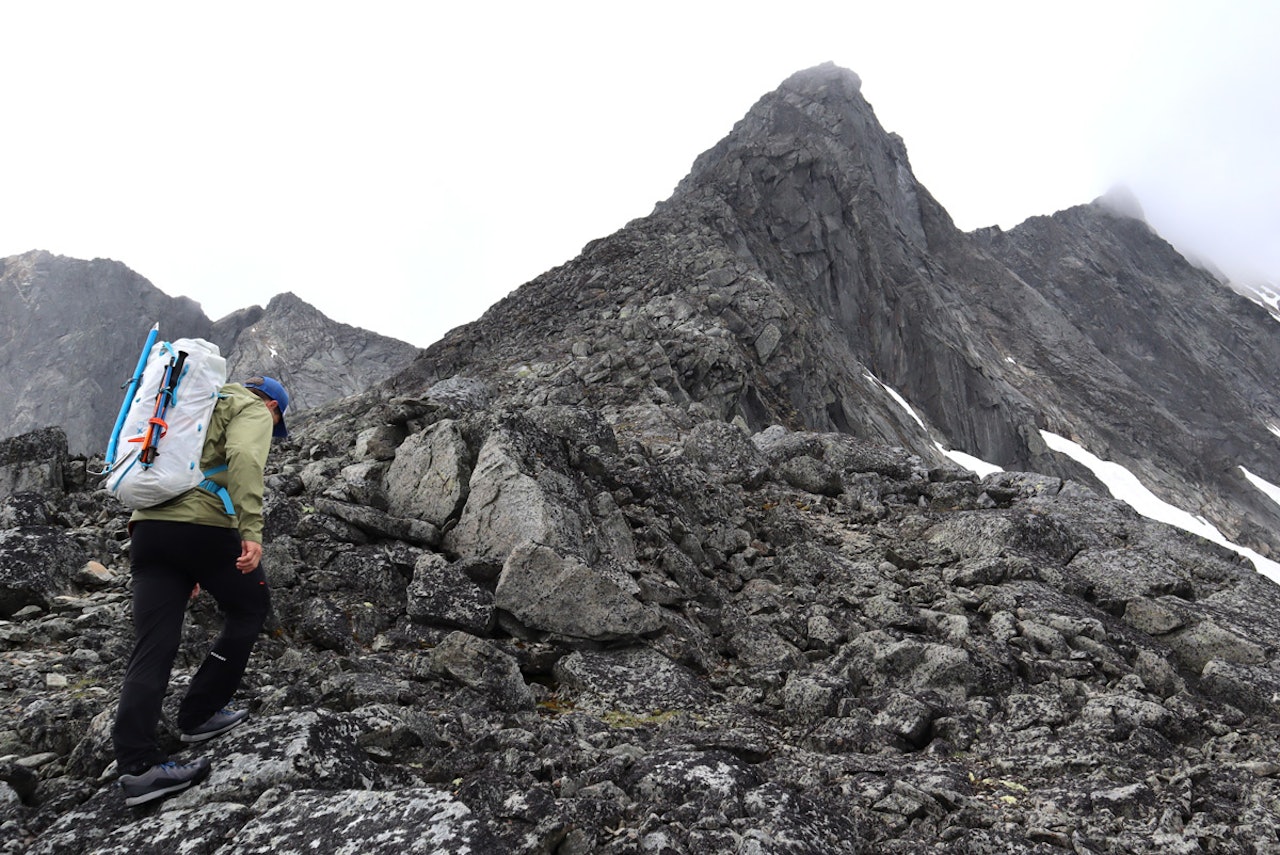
800,269
669,552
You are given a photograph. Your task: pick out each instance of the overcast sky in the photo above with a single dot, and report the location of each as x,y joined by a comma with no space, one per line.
402,168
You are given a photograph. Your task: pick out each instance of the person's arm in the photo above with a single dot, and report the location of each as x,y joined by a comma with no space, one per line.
248,441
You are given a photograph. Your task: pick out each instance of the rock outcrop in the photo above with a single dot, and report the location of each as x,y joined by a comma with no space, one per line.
648,560
800,263
785,641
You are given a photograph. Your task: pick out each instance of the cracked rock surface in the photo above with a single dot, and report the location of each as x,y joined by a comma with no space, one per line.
919,657
648,560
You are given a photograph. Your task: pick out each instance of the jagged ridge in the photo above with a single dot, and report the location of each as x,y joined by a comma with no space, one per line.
801,254
558,596
70,331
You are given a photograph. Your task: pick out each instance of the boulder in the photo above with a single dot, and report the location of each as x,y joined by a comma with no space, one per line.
441,594
414,820
724,450
34,462
564,597
507,505
170,830
36,564
1197,645
375,523
23,509
428,480
480,665
635,680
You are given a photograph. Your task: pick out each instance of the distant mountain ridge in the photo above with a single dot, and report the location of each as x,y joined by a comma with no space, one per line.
71,330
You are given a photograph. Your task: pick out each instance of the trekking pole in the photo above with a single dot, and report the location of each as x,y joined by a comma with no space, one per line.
132,385
168,390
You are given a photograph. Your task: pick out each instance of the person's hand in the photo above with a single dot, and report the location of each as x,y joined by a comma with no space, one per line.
250,555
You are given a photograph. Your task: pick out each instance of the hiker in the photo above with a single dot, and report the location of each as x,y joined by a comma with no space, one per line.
178,548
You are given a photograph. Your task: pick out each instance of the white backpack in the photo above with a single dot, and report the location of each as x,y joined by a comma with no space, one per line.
154,453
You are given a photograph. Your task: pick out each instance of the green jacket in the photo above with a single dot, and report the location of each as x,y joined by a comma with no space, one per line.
240,437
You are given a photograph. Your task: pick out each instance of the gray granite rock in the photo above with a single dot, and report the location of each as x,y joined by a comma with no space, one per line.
708,587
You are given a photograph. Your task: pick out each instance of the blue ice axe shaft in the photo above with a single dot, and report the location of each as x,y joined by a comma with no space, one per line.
128,398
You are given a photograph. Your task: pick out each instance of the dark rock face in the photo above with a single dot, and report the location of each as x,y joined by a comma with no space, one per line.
1189,364
800,255
71,330
599,574
318,359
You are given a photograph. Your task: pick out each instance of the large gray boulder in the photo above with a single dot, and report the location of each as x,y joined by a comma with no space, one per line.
419,820
37,563
430,476
508,505
562,596
637,681
481,666
441,594
33,462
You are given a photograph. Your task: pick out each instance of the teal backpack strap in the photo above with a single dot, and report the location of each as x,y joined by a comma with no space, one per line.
217,489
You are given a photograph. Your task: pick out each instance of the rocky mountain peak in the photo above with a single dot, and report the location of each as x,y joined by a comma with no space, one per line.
670,551
800,275
98,312
818,137
317,359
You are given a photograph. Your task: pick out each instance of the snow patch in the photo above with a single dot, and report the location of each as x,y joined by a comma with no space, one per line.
1274,429
976,465
901,401
1126,487
1270,298
1272,491
968,461
1265,295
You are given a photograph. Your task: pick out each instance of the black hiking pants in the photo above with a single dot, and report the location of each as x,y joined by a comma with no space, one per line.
168,560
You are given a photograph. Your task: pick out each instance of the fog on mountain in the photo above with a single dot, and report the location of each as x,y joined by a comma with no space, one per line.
670,552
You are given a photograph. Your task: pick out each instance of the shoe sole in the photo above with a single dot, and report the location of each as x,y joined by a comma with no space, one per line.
134,801
201,737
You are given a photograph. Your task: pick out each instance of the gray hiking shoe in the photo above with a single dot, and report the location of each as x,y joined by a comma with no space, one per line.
219,723
161,780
